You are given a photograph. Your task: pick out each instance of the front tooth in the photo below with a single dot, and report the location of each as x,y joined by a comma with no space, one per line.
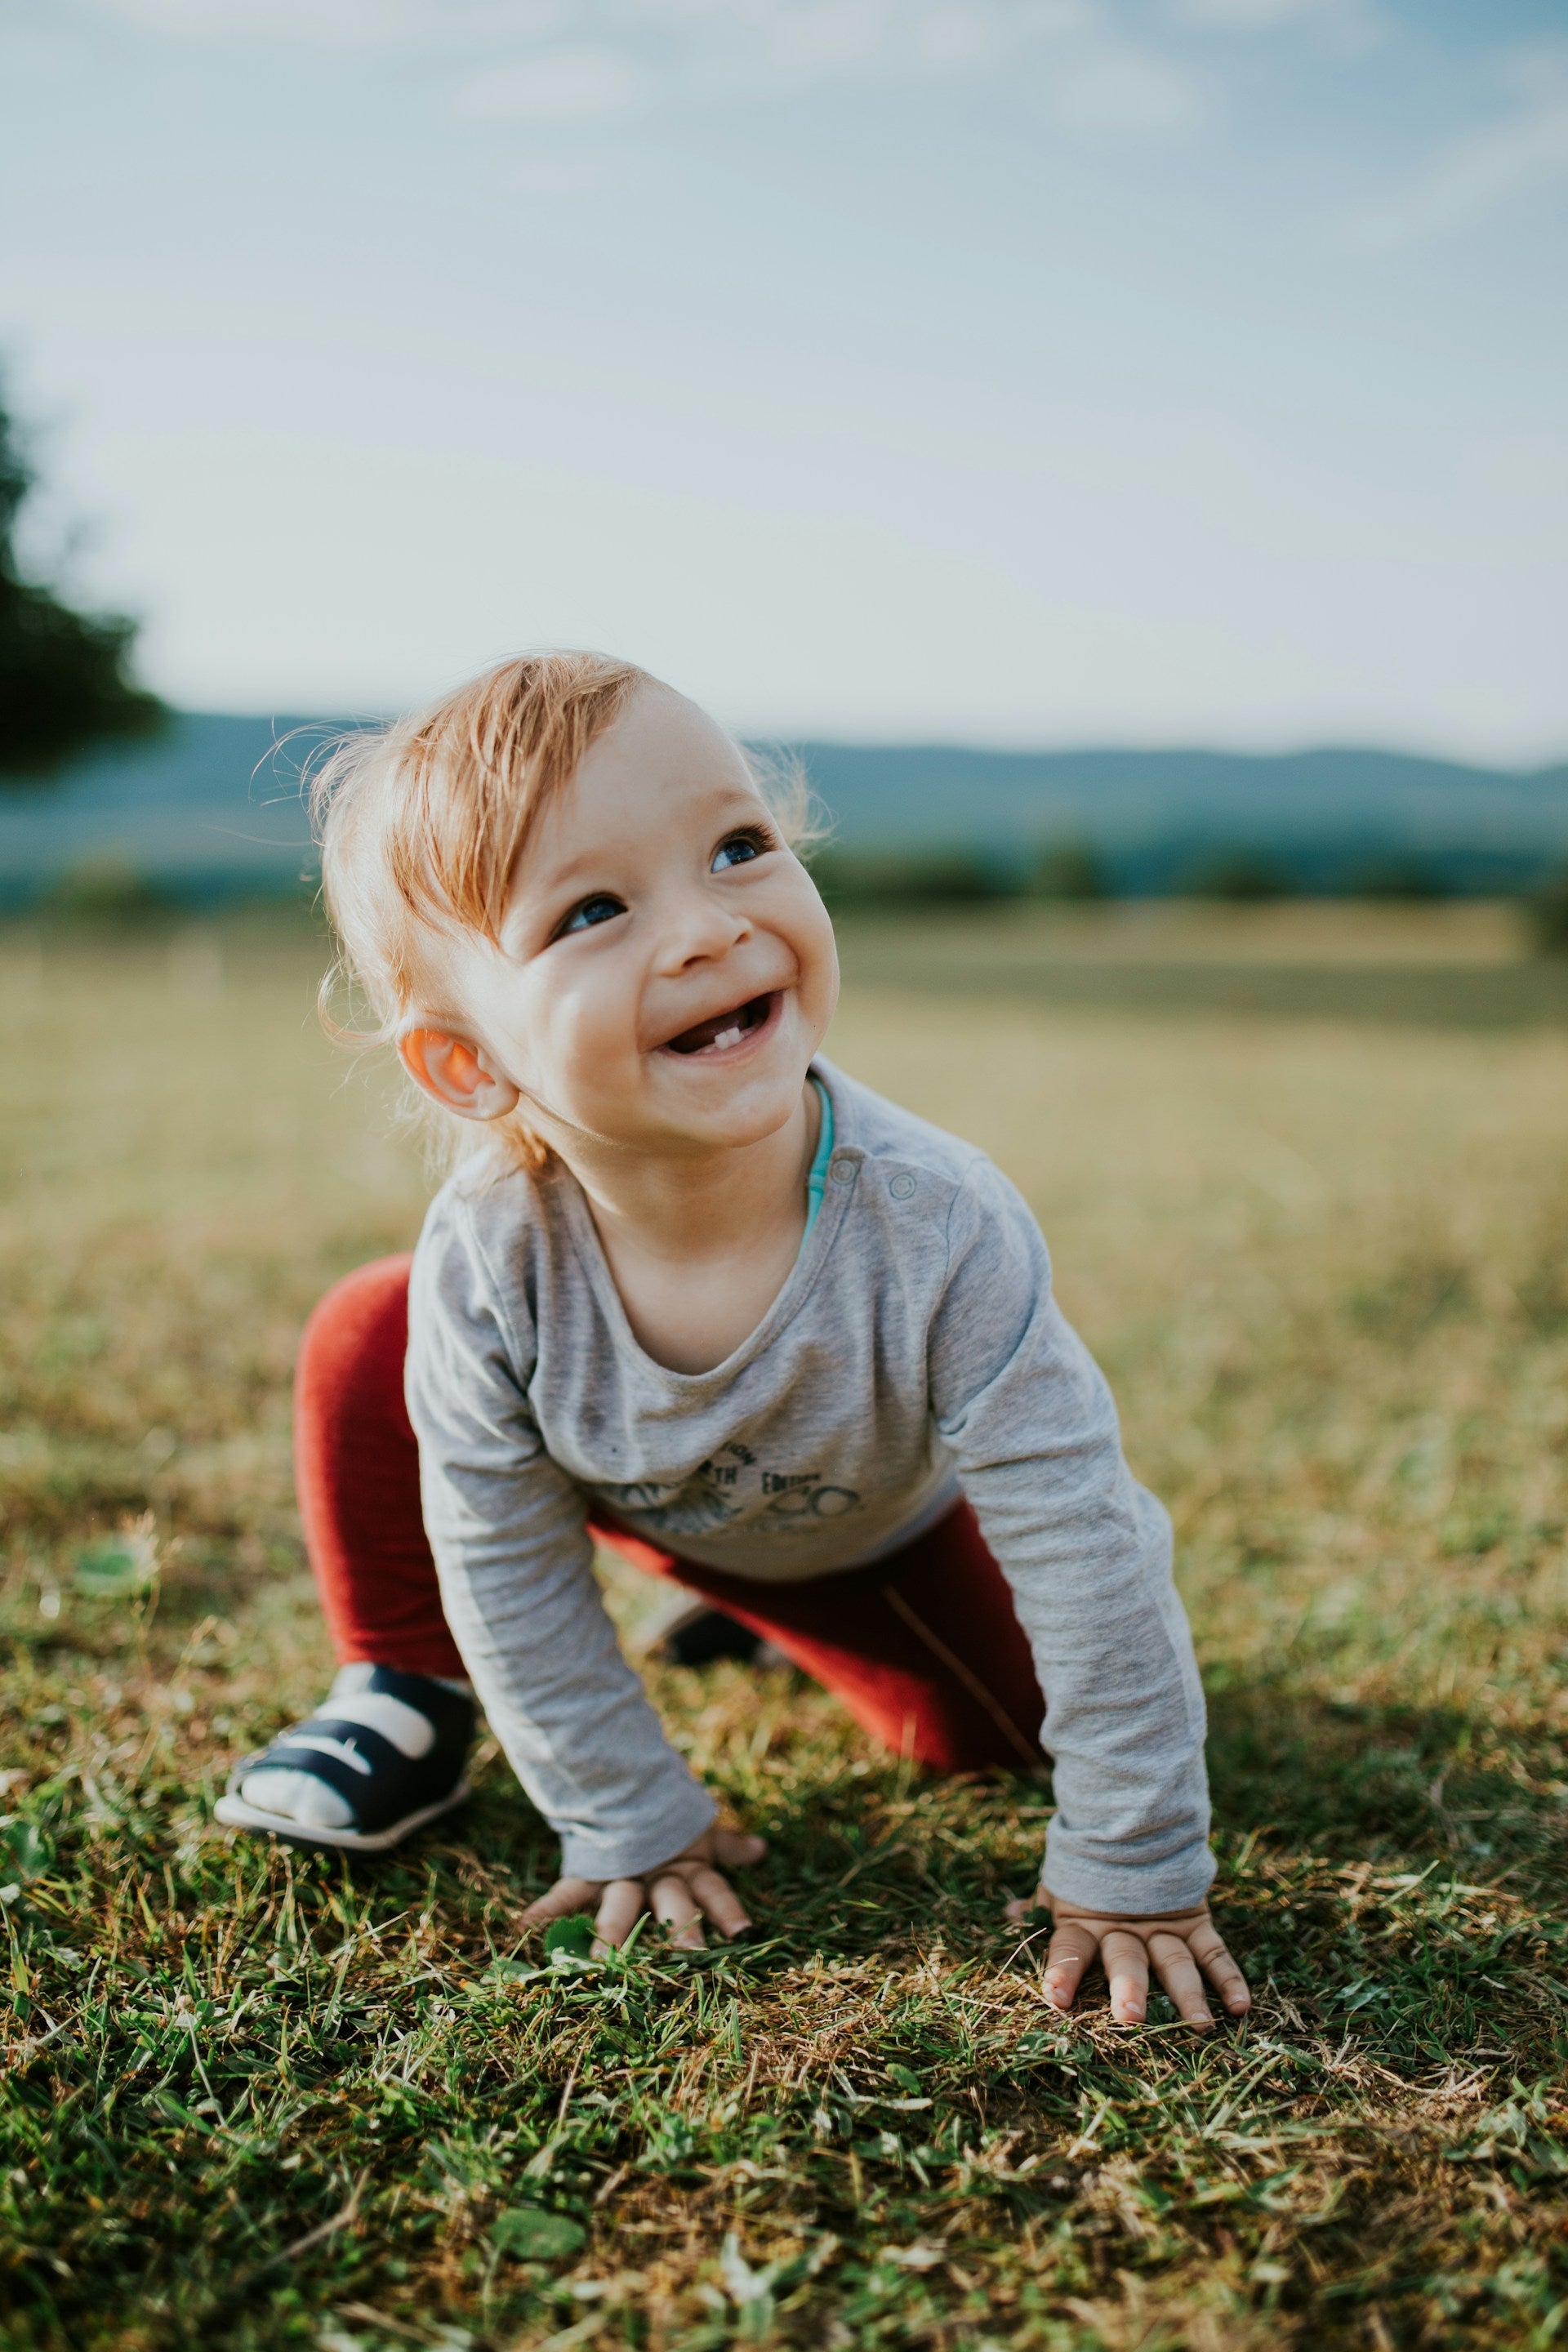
728,1036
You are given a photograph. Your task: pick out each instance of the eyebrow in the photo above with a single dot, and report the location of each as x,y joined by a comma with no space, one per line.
587,859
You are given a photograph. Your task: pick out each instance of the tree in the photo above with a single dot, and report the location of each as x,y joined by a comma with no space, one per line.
65,677
1071,870
1548,908
850,880
1238,873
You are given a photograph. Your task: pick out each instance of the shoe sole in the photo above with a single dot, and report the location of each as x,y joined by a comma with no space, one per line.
236,1814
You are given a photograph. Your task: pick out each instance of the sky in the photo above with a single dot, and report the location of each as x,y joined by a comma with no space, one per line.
1013,372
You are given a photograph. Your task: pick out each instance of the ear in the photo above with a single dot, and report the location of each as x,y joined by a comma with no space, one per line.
456,1074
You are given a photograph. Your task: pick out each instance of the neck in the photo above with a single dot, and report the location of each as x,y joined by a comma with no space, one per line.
686,1208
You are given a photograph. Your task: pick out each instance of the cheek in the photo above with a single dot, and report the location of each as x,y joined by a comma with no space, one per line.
587,1029
816,950
830,978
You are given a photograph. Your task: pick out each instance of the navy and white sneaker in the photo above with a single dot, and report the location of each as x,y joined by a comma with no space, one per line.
384,1755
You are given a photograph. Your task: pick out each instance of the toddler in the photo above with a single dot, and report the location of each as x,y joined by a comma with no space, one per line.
699,1297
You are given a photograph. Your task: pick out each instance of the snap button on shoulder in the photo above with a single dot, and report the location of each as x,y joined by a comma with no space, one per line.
842,1172
900,1186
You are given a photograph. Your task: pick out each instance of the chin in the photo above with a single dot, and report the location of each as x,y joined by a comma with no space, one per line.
749,1116
753,1125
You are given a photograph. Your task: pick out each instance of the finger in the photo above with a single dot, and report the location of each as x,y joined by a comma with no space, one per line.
620,1907
717,1899
671,1902
1125,1960
737,1848
567,1894
1178,1972
1070,1950
1207,1948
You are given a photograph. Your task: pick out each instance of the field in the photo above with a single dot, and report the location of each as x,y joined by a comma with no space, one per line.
256,2099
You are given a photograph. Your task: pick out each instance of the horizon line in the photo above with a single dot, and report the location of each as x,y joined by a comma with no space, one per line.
1006,749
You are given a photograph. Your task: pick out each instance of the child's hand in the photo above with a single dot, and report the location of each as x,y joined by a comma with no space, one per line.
1179,1943
681,1893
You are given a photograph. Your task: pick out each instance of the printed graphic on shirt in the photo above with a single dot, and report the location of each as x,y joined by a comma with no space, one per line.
733,1485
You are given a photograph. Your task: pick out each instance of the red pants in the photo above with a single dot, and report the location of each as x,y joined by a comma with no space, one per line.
923,1647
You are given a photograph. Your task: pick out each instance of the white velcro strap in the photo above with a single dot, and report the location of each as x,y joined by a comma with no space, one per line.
411,1733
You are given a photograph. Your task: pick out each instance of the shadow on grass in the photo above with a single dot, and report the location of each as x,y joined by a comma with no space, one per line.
1387,1783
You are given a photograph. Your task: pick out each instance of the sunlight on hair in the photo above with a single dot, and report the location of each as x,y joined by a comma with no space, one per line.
422,824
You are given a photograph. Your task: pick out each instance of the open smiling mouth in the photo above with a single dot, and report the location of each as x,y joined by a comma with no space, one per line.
722,1030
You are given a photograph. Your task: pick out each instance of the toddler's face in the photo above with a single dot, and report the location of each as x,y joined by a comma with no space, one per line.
667,969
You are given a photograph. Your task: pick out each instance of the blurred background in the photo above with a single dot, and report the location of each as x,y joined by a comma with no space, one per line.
1121,442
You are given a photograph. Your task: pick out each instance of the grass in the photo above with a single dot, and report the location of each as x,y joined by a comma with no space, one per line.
258,2099
1461,964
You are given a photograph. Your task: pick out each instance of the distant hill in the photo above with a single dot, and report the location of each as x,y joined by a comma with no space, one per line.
213,811
1324,817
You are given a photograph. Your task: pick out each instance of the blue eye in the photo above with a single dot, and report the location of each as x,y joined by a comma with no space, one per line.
739,850
601,909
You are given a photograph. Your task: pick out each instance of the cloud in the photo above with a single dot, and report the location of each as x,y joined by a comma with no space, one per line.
569,86
1348,27
1130,92
711,53
825,37
338,24
649,54
960,34
953,36
1250,16
1524,151
717,42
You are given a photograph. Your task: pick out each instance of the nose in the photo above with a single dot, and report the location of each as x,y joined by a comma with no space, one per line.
699,928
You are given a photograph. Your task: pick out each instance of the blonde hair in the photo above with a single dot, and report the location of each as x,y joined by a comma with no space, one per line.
422,824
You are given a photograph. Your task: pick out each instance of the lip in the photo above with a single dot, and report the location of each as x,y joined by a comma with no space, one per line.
729,1017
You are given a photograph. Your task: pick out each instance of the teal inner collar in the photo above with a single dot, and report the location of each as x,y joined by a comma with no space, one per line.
816,1181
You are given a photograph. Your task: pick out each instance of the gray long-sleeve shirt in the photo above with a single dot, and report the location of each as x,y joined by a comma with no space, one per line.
914,1353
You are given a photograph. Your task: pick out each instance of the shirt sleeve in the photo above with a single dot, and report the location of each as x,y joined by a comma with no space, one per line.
1086,1552
508,1532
